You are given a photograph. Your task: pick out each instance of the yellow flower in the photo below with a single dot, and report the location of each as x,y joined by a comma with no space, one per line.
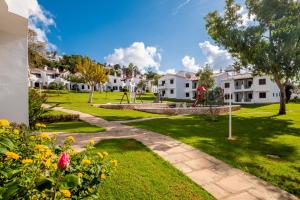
54,166
44,136
71,139
105,153
47,163
86,162
40,147
32,137
103,177
92,142
80,175
16,131
100,155
48,153
73,152
4,123
113,163
12,155
27,161
65,193
40,125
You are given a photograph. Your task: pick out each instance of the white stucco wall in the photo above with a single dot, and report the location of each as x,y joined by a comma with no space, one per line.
13,65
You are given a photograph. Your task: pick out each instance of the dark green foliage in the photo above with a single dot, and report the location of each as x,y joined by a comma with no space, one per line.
35,107
56,86
270,45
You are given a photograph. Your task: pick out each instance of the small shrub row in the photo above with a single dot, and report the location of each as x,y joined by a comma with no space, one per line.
58,118
295,100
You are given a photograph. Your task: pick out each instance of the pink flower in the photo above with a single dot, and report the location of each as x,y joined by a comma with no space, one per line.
63,161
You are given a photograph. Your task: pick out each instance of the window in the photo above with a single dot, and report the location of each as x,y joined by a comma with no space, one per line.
187,85
236,83
273,94
38,75
250,95
227,85
171,91
115,80
163,93
276,94
194,85
262,81
172,81
163,83
227,96
82,87
187,94
262,95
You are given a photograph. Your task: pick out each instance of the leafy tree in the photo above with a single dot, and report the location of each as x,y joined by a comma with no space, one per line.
206,77
36,51
270,45
35,102
92,73
150,74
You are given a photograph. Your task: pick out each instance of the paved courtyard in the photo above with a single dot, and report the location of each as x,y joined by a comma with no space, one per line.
219,179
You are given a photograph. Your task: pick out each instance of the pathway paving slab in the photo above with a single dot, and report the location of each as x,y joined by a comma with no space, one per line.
218,178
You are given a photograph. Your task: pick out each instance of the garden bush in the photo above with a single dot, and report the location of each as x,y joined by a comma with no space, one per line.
56,86
34,166
58,118
35,107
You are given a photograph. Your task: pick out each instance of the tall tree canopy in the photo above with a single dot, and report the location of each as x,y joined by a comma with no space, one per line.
206,77
269,45
36,51
92,73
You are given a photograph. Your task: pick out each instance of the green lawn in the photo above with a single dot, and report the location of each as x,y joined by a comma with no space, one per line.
73,127
78,101
49,112
266,145
140,174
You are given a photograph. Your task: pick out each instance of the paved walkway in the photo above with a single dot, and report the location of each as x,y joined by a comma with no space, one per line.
216,177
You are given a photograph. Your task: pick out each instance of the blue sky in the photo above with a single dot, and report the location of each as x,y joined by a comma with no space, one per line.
172,29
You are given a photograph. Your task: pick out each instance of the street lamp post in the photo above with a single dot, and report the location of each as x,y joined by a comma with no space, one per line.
230,70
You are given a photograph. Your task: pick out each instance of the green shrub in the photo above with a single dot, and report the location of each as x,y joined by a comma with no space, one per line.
58,118
295,100
35,107
33,166
56,86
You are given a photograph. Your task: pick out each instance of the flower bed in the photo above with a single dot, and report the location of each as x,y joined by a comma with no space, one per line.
33,166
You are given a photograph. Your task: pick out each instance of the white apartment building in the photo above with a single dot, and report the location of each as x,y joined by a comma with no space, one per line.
248,89
40,78
183,85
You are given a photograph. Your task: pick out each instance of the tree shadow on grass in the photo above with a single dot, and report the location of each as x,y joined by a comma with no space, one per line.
120,145
264,146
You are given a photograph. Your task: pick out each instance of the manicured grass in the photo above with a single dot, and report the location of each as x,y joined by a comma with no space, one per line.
73,127
140,174
78,101
49,112
266,145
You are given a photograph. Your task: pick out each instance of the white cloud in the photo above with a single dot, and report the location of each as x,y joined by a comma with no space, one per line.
190,64
40,20
168,71
138,54
216,57
246,19
176,10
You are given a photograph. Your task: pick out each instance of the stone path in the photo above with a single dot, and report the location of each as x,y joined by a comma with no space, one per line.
219,179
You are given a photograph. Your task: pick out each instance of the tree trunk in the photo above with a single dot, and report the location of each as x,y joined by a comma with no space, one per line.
282,109
91,94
